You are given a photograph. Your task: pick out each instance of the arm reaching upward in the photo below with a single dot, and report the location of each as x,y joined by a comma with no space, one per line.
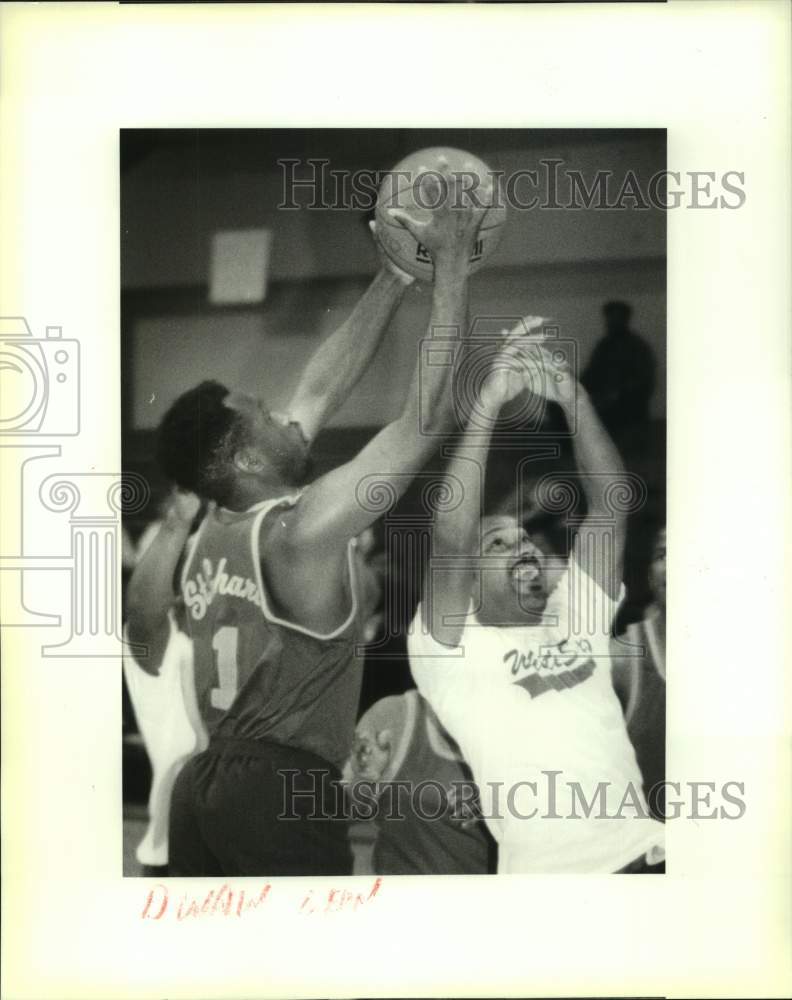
456,533
343,357
312,539
150,594
456,536
600,467
328,509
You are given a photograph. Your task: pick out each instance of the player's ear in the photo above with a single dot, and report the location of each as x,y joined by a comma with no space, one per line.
248,460
384,739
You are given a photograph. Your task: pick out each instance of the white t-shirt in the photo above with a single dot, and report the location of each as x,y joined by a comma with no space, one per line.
526,701
171,729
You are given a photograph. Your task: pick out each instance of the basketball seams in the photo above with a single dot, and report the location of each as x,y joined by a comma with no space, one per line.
383,204
403,229
396,225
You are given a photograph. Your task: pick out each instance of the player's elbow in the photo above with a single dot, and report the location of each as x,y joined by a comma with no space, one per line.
148,633
139,599
147,644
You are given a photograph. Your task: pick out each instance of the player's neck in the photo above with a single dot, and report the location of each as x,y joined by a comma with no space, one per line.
511,616
249,492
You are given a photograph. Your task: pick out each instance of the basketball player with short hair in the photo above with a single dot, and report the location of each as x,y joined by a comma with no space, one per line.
510,646
427,816
269,584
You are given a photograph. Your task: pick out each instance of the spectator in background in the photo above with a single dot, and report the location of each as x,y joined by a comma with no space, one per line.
639,677
399,739
620,376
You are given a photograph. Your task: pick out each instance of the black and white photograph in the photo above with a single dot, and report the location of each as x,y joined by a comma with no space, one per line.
399,590
395,494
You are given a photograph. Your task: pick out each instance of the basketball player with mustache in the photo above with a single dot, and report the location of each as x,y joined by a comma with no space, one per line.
510,647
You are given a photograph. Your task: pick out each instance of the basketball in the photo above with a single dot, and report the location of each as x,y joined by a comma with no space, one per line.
403,188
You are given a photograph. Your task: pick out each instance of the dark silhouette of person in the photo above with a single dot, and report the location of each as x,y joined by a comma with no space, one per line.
620,376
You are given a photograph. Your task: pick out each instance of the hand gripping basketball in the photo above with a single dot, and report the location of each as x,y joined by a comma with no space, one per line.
454,222
439,206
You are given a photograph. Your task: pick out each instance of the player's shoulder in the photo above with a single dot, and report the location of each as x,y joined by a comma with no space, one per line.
437,667
420,641
276,523
473,633
291,524
580,601
288,542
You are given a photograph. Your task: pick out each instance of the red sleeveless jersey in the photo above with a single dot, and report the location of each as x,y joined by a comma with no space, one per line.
454,841
258,676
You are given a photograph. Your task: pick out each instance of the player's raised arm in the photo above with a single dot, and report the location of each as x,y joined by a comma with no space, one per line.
342,358
150,593
600,466
312,538
456,541
329,512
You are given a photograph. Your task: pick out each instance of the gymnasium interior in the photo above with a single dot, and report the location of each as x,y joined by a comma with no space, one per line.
192,309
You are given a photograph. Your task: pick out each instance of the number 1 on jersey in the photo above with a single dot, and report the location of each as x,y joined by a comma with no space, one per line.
224,643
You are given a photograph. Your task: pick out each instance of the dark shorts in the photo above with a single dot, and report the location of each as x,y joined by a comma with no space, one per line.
247,807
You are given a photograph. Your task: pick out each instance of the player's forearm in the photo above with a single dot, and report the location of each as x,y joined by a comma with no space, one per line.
456,527
448,320
341,360
596,457
150,592
448,577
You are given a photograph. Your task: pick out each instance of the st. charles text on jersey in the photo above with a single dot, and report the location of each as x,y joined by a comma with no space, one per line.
201,591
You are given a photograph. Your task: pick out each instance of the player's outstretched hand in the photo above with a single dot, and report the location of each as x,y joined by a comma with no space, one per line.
545,368
556,382
509,373
386,262
184,507
454,208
